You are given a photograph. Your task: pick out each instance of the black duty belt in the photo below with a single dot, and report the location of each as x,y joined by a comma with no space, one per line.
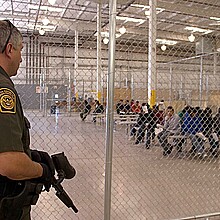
9,187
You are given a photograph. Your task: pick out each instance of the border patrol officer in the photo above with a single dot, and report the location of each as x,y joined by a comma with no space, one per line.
16,165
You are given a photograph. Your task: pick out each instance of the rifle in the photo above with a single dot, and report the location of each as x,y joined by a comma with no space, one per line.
64,171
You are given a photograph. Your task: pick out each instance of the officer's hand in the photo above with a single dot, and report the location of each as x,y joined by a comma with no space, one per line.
46,177
43,157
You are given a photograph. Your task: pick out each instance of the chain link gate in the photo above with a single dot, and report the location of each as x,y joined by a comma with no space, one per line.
167,54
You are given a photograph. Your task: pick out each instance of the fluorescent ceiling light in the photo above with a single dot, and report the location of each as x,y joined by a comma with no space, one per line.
52,2
127,19
39,27
166,42
45,8
215,18
105,34
201,30
146,8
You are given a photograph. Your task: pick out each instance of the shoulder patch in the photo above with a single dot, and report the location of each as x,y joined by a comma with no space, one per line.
7,101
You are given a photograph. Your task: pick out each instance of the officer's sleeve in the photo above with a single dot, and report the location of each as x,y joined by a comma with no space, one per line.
11,126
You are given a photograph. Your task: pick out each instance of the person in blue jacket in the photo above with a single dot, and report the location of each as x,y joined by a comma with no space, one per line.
192,127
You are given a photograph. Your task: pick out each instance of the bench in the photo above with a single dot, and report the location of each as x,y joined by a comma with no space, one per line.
127,120
99,116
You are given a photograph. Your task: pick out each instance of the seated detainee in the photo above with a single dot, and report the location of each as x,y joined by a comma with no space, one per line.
171,127
86,110
152,123
136,107
149,125
192,127
99,109
158,114
216,134
208,131
182,140
120,106
141,121
127,107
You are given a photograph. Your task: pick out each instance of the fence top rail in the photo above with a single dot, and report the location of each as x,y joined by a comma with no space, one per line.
190,58
199,216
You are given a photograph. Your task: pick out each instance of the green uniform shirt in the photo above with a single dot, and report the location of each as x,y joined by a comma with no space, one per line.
12,123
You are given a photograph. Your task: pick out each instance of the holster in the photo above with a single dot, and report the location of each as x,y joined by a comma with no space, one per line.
11,207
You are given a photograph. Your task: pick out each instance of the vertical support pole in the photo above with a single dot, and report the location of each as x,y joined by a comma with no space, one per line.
171,84
152,54
83,88
76,55
110,110
43,93
215,63
181,93
132,86
207,90
41,89
69,94
98,64
201,81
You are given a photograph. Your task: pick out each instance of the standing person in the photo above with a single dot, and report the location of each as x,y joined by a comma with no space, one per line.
16,165
140,126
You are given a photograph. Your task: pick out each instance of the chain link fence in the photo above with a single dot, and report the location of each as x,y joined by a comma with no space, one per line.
167,54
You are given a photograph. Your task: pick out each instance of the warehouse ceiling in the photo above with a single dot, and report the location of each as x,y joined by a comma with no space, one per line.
176,19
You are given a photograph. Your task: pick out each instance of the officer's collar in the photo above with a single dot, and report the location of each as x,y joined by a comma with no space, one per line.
2,71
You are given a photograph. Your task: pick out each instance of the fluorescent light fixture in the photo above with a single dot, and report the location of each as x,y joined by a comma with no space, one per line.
166,42
45,21
122,30
146,8
163,47
45,8
127,19
215,18
201,30
52,2
45,27
105,40
191,38
105,34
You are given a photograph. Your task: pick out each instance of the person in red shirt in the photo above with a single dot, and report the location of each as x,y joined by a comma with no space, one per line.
136,107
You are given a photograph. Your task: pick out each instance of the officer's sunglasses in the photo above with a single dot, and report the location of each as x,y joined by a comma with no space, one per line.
11,26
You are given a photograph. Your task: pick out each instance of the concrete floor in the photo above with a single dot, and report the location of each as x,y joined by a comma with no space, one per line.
145,185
